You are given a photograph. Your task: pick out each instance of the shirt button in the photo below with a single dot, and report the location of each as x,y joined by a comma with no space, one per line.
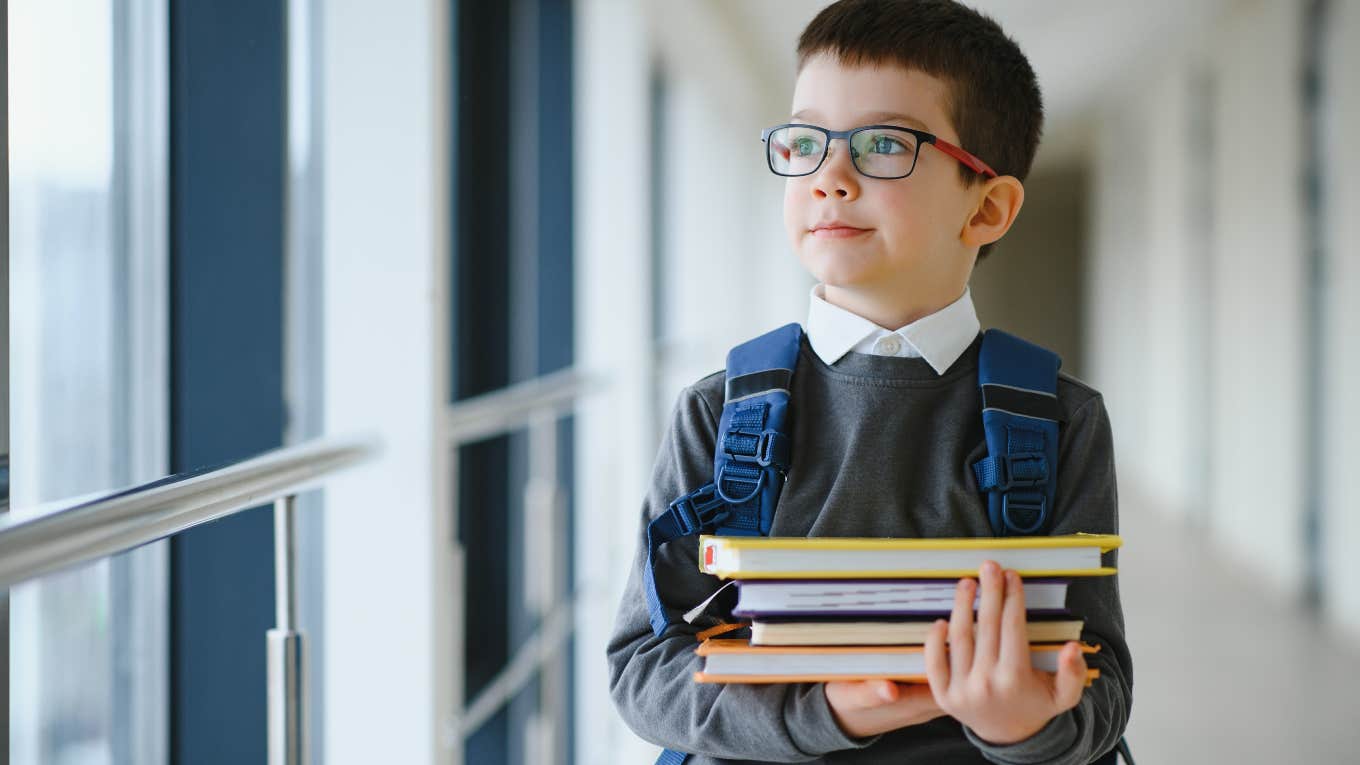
890,345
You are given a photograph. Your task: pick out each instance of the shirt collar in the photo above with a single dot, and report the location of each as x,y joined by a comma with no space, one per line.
940,338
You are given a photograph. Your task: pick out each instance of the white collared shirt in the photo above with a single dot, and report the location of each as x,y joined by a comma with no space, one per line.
940,338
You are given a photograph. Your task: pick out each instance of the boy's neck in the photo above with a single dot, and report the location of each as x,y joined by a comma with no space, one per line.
890,311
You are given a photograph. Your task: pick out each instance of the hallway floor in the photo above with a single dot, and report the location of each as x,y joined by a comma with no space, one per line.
1224,670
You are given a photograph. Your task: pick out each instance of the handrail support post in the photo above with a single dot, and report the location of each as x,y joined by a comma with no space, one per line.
286,654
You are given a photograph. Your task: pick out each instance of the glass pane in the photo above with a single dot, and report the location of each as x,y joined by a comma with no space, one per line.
76,382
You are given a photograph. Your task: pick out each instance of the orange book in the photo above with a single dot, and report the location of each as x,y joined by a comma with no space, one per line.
737,661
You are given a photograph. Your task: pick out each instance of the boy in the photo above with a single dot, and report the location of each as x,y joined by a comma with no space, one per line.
886,424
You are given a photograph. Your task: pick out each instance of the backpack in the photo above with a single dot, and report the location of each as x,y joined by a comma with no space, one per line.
1020,414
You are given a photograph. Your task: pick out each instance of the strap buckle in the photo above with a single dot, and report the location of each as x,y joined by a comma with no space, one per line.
698,510
771,448
756,479
1024,513
1032,467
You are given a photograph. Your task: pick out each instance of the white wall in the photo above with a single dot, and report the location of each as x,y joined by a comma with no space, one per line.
729,271
1149,287
1196,292
1257,330
392,582
1341,452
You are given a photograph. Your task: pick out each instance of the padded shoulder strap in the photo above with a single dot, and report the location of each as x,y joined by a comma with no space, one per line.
1020,413
751,457
753,451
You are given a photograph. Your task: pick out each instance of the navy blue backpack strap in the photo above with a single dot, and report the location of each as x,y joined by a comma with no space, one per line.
750,460
1020,413
754,445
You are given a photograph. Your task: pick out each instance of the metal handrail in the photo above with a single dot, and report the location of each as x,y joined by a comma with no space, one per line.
89,529
515,406
537,405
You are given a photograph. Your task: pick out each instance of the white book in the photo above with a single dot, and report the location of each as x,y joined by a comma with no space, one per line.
736,661
852,597
889,632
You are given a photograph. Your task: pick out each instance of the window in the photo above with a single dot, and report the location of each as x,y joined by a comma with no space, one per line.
87,380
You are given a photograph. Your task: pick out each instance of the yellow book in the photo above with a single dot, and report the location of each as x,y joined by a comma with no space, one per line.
738,557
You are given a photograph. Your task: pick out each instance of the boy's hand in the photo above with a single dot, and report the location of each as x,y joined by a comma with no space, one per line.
992,687
869,707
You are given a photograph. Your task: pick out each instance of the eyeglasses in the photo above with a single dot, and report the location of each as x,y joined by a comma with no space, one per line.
878,151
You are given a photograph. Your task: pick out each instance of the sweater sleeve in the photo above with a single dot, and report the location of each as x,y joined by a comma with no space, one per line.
651,678
1087,501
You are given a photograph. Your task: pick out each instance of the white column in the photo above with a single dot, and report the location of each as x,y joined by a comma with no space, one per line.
614,448
1259,272
1116,293
1168,370
727,273
393,587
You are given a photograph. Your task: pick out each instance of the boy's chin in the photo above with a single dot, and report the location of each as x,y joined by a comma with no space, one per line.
842,273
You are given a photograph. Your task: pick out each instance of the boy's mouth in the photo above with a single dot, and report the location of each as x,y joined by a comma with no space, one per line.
837,230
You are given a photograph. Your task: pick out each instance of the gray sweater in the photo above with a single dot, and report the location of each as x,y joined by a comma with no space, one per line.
882,448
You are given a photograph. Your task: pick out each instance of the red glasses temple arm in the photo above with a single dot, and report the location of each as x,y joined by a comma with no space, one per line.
972,162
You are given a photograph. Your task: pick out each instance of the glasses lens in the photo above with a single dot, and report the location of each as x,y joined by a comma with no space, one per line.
795,150
884,152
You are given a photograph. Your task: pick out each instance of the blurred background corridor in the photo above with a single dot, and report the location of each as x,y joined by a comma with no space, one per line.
497,238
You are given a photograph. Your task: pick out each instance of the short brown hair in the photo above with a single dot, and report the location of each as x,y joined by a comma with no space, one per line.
994,102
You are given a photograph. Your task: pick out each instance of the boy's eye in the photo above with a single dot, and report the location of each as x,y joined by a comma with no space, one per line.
882,144
804,146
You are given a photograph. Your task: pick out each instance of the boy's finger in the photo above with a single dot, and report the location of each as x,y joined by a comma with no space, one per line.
913,698
937,667
883,691
915,694
961,628
861,694
1014,638
1071,677
987,643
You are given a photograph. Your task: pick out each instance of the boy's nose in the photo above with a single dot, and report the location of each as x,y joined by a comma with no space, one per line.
837,175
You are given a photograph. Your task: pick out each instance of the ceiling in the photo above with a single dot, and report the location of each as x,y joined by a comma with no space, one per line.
1079,49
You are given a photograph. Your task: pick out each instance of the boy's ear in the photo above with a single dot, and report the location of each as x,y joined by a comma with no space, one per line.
998,204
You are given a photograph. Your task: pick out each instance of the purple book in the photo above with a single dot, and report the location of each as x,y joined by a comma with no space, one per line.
877,597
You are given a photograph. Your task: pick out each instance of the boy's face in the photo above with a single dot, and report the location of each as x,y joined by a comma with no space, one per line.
904,234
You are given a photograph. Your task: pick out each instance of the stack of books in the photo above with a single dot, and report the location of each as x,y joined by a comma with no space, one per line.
826,608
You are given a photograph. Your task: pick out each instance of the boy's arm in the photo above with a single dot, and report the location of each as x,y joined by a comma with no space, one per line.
1087,502
651,678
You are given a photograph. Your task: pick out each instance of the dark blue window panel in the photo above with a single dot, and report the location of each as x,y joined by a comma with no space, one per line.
556,327
227,175
497,105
